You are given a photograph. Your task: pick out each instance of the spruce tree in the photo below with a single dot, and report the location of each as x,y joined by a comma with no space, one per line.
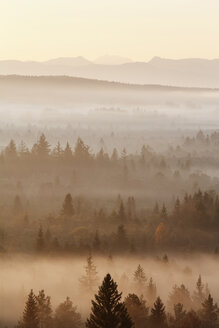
151,292
107,310
158,315
67,207
43,148
209,312
90,280
66,315
44,310
140,280
199,294
137,310
30,315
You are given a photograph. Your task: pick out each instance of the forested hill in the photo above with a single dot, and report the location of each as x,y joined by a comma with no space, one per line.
56,90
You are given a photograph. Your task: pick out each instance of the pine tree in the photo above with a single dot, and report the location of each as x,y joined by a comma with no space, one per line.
67,207
11,150
209,312
57,151
151,292
44,310
66,315
81,152
42,147
140,280
180,294
179,315
90,280
30,315
107,309
137,310
158,315
163,213
199,294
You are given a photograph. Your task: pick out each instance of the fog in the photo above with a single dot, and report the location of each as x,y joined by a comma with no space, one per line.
127,173
60,278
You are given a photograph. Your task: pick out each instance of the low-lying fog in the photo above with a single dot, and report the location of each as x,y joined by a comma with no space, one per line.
60,278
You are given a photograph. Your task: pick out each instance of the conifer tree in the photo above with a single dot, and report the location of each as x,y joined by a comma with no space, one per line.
158,315
151,292
57,151
199,294
67,207
42,147
180,294
66,315
44,310
81,152
140,280
90,280
179,315
107,309
137,310
30,315
209,312
11,150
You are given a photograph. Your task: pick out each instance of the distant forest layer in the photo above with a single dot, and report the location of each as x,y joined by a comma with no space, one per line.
69,200
56,90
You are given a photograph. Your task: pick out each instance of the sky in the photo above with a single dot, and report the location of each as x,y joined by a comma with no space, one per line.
138,29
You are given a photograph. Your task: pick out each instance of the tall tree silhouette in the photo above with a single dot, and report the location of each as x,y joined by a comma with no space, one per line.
67,207
44,310
107,309
30,315
90,280
158,315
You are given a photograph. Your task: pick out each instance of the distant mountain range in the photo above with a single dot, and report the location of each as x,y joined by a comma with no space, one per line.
192,72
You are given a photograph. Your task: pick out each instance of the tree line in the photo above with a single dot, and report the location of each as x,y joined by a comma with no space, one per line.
109,310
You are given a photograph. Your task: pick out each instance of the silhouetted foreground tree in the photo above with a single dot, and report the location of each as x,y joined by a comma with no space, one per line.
107,309
30,316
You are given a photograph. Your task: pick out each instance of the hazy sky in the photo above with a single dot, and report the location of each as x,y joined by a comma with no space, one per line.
139,29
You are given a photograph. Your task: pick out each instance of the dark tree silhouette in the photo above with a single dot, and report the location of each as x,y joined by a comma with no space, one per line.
158,315
67,207
30,315
44,310
209,312
137,310
107,310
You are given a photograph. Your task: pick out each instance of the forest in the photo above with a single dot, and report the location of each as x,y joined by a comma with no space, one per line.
141,307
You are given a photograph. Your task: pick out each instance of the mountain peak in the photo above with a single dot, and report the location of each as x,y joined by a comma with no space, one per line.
69,61
112,60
